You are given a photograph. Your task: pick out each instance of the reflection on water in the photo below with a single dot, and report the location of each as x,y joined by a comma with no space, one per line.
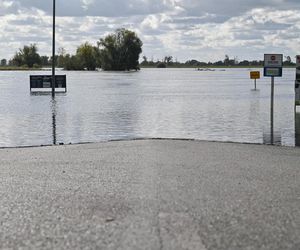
167,103
53,109
272,138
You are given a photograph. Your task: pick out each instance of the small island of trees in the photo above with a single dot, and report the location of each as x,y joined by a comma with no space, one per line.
118,51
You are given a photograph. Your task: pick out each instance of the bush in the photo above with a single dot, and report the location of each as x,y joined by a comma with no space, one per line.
161,65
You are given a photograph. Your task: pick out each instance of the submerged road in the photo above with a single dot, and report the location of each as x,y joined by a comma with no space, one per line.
150,194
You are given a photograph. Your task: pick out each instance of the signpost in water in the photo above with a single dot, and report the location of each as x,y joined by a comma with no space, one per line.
273,68
297,83
49,82
255,75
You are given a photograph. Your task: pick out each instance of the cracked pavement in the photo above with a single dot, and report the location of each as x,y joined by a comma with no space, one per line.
150,194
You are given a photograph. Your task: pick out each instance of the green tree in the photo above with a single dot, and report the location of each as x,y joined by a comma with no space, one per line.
17,60
168,59
88,54
145,61
27,56
3,62
226,60
60,58
161,65
45,61
73,63
120,50
288,61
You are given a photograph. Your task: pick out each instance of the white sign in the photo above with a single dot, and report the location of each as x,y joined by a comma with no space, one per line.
273,60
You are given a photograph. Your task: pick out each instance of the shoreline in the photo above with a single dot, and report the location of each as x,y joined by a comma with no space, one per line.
145,139
147,67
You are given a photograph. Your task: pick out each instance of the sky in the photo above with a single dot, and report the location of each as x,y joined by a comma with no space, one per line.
205,30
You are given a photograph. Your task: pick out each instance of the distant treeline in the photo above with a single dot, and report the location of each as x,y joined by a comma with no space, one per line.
168,61
117,51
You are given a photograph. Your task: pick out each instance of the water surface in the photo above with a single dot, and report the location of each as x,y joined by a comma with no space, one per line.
166,103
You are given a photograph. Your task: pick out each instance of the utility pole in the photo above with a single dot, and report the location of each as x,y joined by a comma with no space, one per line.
53,52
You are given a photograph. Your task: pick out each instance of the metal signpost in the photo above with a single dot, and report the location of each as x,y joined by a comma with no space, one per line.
297,83
297,102
49,82
297,129
53,52
273,68
255,75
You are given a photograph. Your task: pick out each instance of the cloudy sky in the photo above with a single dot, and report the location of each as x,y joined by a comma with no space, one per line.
205,30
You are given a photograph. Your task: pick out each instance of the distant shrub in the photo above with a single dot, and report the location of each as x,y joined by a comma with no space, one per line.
161,65
36,66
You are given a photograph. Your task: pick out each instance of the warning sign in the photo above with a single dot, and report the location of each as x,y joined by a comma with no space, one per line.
254,75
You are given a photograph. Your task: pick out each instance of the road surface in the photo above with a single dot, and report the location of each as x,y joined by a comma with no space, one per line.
150,194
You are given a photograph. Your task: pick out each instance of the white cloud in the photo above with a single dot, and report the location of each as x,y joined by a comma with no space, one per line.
204,30
86,4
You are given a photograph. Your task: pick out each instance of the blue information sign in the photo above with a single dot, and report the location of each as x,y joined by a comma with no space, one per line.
272,72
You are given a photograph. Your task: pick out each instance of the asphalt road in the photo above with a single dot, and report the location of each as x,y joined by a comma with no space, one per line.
150,194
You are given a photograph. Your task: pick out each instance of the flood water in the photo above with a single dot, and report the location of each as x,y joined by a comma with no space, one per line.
153,103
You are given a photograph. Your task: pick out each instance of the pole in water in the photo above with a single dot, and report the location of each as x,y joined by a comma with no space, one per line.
272,110
53,52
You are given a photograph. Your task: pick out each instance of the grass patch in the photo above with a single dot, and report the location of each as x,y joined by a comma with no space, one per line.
15,68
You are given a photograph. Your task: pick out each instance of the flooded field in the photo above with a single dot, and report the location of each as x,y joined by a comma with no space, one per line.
218,105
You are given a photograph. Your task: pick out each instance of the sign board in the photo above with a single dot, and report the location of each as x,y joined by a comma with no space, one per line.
273,65
255,75
45,82
297,84
273,60
273,72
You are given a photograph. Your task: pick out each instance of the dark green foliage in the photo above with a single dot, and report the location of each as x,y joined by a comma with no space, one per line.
27,56
88,55
87,58
161,65
60,58
3,62
120,50
73,63
45,61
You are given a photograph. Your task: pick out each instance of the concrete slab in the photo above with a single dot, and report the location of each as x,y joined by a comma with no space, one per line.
150,194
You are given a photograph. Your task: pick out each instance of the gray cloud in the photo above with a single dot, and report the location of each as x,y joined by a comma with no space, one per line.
116,8
111,8
231,8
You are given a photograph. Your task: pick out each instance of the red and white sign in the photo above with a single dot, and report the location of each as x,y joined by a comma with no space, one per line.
273,60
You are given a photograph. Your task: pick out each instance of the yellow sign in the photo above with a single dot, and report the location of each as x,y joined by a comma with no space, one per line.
255,74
